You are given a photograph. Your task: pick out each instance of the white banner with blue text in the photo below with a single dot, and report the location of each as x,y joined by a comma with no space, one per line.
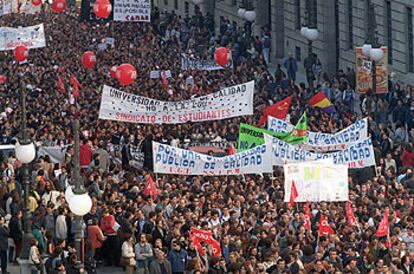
324,142
173,160
357,155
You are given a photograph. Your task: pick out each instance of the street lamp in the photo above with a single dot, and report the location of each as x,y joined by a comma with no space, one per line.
371,49
25,153
246,12
79,201
310,32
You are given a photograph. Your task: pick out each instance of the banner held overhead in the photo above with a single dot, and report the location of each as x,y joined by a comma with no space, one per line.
226,103
173,160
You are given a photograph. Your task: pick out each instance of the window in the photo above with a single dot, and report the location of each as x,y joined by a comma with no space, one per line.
166,2
410,39
298,54
186,7
388,24
297,14
233,2
350,25
176,4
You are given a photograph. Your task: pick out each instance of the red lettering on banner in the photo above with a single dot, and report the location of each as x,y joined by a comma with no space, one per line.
135,118
166,118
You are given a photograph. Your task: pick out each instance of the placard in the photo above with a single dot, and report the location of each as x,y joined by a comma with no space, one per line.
317,182
132,10
363,72
226,103
173,160
31,37
356,155
190,63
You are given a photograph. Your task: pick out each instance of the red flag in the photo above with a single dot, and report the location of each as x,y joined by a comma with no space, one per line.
232,150
75,85
278,110
383,229
350,214
324,228
164,80
150,188
307,216
198,236
293,194
216,248
60,84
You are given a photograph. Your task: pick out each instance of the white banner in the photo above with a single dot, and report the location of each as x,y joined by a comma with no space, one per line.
31,37
357,155
132,10
126,107
323,142
172,160
317,182
155,74
190,63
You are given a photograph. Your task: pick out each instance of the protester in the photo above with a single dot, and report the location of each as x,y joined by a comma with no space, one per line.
256,231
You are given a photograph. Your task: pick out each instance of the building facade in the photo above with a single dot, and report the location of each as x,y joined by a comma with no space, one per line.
342,26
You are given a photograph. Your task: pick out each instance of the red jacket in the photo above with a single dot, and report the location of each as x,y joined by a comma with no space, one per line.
107,225
85,155
95,235
407,158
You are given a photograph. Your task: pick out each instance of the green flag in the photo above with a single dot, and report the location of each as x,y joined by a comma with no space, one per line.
251,136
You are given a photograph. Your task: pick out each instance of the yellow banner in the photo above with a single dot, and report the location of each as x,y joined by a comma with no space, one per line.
363,72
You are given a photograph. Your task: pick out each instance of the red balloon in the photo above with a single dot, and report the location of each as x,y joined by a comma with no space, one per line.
113,72
102,8
21,53
89,59
36,2
3,79
126,74
222,56
59,5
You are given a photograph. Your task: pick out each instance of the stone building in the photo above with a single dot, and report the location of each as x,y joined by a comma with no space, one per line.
342,25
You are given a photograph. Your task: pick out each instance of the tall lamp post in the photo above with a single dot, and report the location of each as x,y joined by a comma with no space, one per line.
310,32
25,153
79,201
371,49
246,12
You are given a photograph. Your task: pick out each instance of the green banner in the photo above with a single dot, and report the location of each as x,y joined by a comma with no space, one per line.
251,136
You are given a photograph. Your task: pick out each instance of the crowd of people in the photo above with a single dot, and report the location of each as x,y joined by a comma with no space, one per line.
257,231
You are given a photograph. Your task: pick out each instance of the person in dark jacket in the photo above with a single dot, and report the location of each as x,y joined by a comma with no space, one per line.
160,265
16,232
4,245
177,258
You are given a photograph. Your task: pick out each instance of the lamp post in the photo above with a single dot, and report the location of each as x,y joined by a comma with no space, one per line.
371,48
310,32
79,201
246,12
25,153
